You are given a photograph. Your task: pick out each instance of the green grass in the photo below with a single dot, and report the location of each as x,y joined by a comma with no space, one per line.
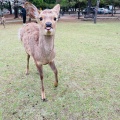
88,61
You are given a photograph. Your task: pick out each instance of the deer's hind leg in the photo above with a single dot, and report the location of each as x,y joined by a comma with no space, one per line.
27,71
4,24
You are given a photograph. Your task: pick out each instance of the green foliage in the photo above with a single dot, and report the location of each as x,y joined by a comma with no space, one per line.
4,5
116,3
64,3
110,2
71,3
50,1
37,3
43,3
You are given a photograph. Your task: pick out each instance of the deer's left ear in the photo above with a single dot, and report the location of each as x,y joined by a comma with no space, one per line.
56,9
32,10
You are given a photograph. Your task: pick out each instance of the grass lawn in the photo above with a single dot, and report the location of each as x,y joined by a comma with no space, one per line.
88,61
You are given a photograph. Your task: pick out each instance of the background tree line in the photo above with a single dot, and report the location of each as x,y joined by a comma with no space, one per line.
72,3
65,4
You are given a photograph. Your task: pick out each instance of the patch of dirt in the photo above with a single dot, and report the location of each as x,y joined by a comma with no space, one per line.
69,18
101,18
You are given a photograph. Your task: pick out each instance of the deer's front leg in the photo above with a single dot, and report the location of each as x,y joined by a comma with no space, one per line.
40,69
53,67
27,71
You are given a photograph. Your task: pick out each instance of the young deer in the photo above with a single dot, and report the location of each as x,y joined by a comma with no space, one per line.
3,21
38,40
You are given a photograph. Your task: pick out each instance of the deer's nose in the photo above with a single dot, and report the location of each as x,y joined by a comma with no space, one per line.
48,24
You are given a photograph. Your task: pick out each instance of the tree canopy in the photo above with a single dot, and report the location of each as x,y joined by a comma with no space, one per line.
70,3
65,3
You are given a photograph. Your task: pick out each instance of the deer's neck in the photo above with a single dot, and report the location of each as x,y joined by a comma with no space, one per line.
46,44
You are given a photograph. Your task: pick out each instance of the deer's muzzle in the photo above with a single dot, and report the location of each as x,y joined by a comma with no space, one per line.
48,25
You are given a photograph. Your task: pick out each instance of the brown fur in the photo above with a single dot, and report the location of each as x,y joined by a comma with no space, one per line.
38,40
30,8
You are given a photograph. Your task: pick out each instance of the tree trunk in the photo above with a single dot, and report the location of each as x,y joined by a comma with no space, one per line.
79,10
112,9
10,8
16,8
89,6
1,7
97,6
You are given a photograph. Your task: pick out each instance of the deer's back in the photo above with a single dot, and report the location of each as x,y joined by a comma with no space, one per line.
29,35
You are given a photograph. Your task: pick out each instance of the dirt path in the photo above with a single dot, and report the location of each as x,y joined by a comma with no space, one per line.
70,18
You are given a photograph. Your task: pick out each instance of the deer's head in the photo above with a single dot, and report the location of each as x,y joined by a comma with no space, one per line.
47,20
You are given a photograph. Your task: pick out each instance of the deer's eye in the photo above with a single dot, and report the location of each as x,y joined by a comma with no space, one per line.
41,18
55,18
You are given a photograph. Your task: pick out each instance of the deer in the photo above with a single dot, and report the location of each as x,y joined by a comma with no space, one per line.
3,20
38,40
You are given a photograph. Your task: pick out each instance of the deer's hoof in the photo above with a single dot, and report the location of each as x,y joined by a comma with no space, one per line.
44,100
27,73
55,84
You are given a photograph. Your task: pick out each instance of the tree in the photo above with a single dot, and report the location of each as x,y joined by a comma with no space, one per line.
58,1
16,8
3,4
10,7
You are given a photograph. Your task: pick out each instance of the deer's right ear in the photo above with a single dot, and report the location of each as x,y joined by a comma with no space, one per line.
57,9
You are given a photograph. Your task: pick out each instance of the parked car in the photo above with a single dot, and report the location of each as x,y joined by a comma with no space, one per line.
110,8
92,10
19,11
100,10
109,11
4,12
103,11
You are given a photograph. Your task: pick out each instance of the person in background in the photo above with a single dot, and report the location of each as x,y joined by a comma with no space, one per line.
23,12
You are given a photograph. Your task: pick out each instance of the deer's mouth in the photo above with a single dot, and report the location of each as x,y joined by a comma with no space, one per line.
48,28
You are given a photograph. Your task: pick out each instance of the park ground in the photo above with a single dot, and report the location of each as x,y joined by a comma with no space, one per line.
88,62
70,18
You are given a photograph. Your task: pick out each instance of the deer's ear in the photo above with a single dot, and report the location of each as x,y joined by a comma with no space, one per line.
32,10
56,9
36,13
